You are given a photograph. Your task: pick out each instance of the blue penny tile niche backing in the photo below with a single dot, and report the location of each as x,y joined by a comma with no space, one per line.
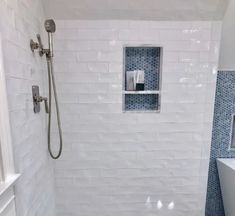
223,114
148,60
141,102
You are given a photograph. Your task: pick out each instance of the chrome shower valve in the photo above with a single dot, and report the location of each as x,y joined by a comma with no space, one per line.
39,99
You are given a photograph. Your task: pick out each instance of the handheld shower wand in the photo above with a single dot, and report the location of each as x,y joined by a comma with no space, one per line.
50,28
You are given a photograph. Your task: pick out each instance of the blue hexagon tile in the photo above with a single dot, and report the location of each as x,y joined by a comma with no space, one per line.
141,102
224,109
147,59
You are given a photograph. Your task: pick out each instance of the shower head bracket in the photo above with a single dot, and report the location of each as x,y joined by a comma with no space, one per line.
38,46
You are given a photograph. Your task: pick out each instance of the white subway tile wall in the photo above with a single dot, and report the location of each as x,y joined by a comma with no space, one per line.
21,20
117,163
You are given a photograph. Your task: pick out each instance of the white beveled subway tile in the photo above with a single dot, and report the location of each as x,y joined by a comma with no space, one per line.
171,98
17,101
185,88
212,75
201,25
126,34
88,56
208,117
190,34
189,57
170,25
100,56
19,86
118,24
207,130
100,98
76,67
87,24
66,56
98,45
60,24
182,107
60,66
170,56
11,50
138,35
68,34
183,127
82,88
77,77
216,31
175,67
91,34
115,88
110,77
115,45
214,52
99,119
198,45
178,77
60,45
139,25
23,71
204,56
75,45
68,98
177,45
114,56
205,35
88,34
169,35
88,99
98,67
115,67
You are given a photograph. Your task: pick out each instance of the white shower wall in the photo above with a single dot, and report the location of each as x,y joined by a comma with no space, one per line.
21,20
117,163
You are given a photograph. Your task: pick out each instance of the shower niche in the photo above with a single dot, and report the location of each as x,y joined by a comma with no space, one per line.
142,78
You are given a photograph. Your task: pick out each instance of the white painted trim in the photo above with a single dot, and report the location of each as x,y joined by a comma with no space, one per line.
7,204
8,183
6,154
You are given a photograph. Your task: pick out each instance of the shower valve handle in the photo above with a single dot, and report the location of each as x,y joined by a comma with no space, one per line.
40,99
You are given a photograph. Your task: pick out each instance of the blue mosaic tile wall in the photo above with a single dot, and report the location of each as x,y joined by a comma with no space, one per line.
141,102
224,108
147,59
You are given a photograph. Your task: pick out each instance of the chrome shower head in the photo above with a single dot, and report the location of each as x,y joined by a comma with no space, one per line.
50,26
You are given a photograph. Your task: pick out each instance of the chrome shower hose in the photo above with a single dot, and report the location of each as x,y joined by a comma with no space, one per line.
51,84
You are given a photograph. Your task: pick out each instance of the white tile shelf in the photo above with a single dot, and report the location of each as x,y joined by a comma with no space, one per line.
141,92
141,111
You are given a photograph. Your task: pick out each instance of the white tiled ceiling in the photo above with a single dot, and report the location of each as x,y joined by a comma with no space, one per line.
137,9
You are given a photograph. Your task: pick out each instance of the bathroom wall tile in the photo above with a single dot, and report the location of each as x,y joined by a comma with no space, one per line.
224,108
21,20
115,162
